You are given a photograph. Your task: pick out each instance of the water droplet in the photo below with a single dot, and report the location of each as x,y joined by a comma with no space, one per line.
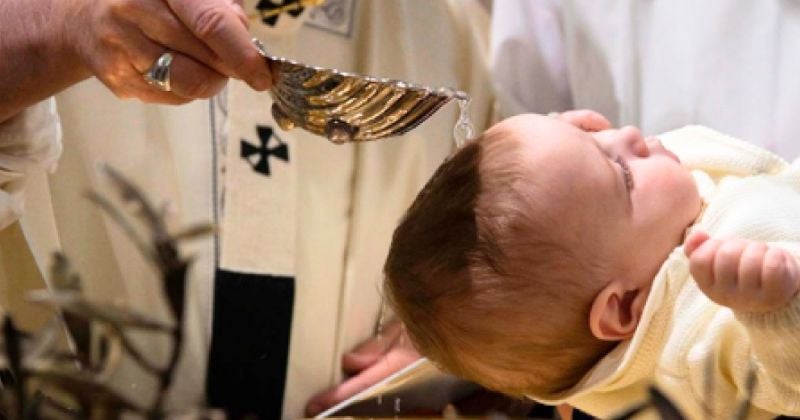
381,317
339,131
463,130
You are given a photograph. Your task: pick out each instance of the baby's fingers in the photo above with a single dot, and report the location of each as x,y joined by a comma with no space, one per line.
693,240
701,262
779,278
750,267
726,267
586,120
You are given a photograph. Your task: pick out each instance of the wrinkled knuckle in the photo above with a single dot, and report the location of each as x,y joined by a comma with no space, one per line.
115,7
107,36
121,9
210,22
109,43
170,25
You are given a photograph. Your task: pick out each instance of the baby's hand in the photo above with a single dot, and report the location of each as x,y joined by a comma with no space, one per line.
585,119
746,276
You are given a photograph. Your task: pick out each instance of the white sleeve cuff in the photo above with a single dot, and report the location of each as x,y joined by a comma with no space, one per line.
29,141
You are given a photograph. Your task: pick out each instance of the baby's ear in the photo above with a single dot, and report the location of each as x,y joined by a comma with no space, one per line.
616,311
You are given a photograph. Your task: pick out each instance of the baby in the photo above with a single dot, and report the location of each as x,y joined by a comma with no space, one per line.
544,259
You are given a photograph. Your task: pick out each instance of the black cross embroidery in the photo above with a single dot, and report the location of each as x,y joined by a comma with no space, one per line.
258,156
274,4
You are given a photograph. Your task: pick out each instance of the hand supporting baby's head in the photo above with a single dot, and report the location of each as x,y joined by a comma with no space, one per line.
498,265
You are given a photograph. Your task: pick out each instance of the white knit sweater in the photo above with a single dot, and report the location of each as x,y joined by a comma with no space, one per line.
687,345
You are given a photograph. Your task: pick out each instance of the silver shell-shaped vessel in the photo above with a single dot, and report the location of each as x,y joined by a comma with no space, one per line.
347,107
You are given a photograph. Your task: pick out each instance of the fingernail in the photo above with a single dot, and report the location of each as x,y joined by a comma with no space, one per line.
242,14
238,9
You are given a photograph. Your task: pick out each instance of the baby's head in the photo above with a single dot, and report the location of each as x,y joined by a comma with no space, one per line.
530,252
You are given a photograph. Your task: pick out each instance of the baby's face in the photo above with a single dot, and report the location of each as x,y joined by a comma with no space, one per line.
614,196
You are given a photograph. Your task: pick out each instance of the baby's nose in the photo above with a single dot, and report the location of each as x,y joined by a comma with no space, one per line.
632,139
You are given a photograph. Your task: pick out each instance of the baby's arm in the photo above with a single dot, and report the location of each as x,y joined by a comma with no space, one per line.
746,276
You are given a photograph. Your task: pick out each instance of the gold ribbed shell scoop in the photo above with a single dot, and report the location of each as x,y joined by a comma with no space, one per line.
346,107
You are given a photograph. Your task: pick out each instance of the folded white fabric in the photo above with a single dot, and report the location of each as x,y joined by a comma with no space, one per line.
30,141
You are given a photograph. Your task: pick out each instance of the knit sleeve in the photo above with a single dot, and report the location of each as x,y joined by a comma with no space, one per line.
775,344
29,141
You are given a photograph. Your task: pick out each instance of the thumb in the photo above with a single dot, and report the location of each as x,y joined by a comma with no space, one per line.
387,365
238,8
363,357
693,240
371,350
